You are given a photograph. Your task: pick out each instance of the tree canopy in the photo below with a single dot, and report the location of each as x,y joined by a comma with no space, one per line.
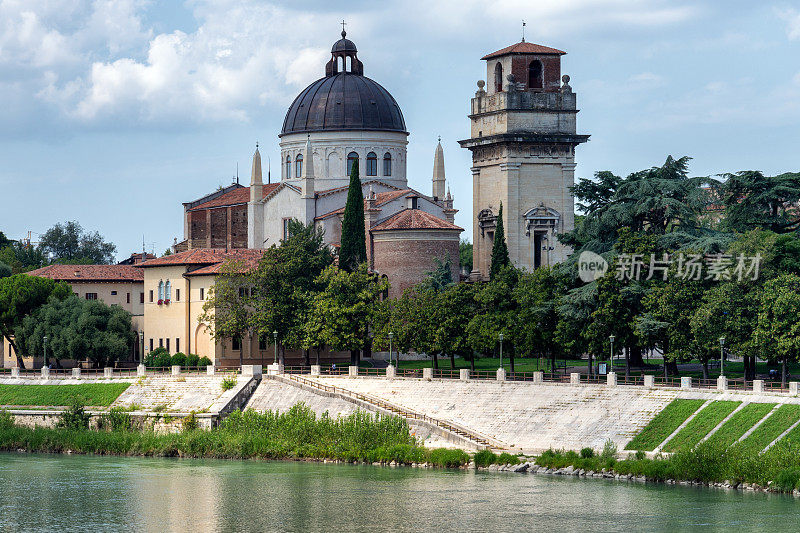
70,243
353,249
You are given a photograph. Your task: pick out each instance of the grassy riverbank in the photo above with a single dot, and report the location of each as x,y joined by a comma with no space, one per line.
777,468
296,434
94,394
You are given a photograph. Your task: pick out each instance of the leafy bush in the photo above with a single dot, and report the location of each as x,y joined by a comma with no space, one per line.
6,420
204,361
506,458
640,455
485,458
179,359
228,383
189,423
74,418
448,458
192,359
116,420
158,358
587,453
788,480
609,451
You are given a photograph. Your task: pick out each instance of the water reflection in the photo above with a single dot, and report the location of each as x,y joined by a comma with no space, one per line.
57,493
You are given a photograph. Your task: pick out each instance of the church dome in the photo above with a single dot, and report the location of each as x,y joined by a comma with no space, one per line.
344,99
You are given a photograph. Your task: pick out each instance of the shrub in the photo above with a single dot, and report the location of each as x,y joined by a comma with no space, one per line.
204,361
74,418
189,423
640,455
609,451
228,383
448,458
179,359
587,453
787,480
506,458
117,419
158,358
485,458
192,359
6,420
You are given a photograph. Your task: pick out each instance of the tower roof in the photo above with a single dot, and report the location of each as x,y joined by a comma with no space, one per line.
525,48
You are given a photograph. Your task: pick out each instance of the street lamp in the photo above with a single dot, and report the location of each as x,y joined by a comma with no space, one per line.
391,336
501,349
275,337
44,349
722,356
141,338
611,358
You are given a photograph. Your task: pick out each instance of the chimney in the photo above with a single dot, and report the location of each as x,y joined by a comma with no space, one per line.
412,201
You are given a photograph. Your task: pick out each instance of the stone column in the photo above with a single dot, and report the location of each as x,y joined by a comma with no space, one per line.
758,385
141,371
15,372
575,378
210,370
76,373
427,373
253,371
316,370
611,379
275,369
352,371
501,374
463,374
793,388
538,377
649,381
45,372
686,383
391,372
108,372
176,370
722,383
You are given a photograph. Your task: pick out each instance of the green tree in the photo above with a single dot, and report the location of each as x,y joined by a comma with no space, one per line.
227,310
535,324
69,243
22,257
353,250
78,329
5,270
465,255
4,241
20,296
752,200
777,333
495,314
439,278
344,311
500,258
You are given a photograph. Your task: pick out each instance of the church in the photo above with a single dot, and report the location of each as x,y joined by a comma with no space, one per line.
341,120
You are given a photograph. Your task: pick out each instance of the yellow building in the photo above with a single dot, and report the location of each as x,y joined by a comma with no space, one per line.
121,285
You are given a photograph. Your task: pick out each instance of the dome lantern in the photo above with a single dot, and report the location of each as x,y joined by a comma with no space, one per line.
344,58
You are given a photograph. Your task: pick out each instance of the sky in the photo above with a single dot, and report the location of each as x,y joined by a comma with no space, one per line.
113,113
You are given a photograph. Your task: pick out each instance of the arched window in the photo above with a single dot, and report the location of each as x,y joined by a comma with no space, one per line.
387,164
372,164
352,158
168,291
498,78
535,75
288,167
298,165
161,290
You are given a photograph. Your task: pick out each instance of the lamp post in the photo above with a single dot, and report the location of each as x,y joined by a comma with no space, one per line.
501,349
391,336
611,355
141,353
275,338
44,349
722,356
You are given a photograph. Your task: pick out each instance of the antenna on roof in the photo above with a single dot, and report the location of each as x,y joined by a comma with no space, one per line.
523,31
269,169
237,173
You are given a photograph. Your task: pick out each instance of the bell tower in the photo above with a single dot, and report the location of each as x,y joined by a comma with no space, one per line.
523,139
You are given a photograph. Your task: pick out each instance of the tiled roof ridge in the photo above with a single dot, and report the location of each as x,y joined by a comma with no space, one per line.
525,48
409,219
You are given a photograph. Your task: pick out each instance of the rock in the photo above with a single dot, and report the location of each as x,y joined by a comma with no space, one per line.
522,468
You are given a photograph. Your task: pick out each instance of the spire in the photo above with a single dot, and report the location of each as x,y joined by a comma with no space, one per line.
308,170
438,172
256,184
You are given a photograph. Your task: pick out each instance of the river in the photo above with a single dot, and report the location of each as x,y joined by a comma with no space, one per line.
81,493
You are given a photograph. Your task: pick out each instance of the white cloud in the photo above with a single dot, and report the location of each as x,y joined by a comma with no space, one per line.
792,18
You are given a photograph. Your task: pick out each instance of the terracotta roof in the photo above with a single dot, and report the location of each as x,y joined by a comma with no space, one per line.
525,48
414,219
325,192
235,197
206,256
87,273
381,198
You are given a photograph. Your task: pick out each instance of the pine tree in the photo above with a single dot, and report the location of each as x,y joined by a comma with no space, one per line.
499,247
353,250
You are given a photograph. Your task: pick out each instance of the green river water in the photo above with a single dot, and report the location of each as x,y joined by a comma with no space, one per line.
80,493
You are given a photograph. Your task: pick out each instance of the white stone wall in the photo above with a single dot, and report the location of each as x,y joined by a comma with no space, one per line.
330,155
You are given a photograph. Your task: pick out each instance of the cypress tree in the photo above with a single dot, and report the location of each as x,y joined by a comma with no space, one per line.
353,250
499,247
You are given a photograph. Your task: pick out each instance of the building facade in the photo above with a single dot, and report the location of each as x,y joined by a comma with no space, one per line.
523,138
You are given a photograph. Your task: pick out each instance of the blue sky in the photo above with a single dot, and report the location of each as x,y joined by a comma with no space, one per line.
116,112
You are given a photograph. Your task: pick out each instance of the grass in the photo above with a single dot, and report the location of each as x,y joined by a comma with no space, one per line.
733,429
700,425
95,394
662,426
295,434
783,417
